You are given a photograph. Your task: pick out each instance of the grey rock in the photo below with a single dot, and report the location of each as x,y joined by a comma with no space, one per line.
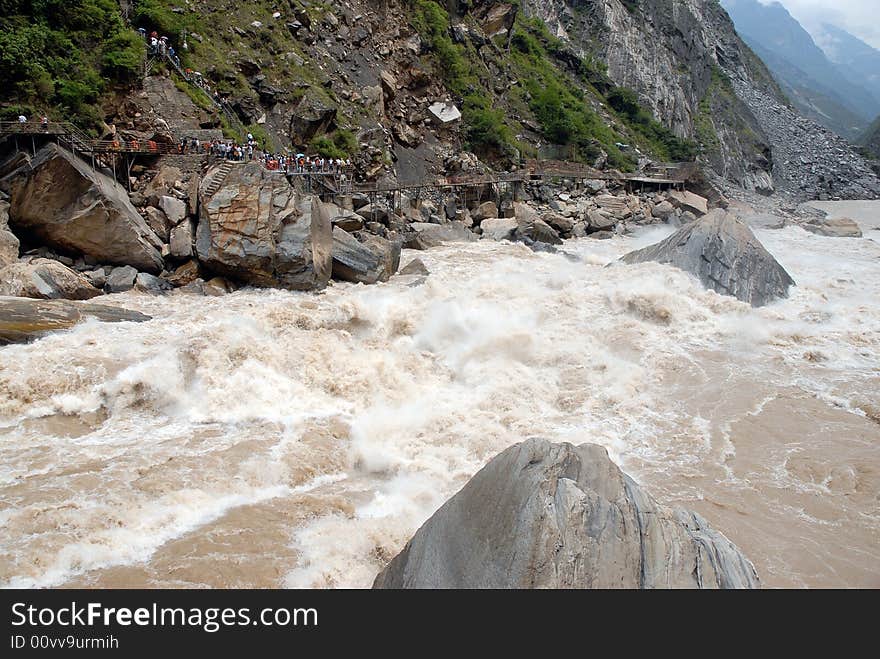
373,212
723,253
121,279
148,283
599,221
157,221
359,200
9,243
174,209
499,229
688,201
426,236
543,515
363,258
181,242
97,278
347,221
663,210
415,267
535,229
22,320
46,280
561,223
486,210
70,207
842,227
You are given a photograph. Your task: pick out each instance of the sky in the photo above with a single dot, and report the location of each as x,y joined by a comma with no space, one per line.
858,17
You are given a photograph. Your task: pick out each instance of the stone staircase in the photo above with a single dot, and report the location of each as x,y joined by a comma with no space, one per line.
218,177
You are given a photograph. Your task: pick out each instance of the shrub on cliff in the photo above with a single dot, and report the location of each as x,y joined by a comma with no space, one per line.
60,55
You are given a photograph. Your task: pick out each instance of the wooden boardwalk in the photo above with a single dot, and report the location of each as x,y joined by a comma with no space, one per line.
333,183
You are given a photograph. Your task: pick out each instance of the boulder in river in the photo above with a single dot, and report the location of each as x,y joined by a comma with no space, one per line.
363,257
68,206
723,253
22,319
255,229
544,515
499,228
841,227
45,279
426,235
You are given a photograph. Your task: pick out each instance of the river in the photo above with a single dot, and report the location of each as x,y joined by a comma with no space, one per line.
270,438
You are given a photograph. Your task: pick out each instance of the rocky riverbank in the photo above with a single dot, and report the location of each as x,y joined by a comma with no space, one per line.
70,232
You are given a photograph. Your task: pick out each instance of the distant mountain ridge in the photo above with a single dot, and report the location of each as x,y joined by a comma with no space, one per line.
843,95
857,60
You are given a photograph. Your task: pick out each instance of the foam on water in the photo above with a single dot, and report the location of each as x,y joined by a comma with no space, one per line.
115,439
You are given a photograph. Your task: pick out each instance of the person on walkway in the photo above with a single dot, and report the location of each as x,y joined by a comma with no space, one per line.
44,123
22,119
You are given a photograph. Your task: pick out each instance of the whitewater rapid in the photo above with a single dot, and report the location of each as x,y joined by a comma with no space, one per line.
270,438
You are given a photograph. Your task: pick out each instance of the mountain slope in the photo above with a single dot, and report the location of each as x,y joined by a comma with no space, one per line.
816,86
679,57
811,98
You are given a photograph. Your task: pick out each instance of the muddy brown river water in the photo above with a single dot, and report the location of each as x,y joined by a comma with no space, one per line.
280,439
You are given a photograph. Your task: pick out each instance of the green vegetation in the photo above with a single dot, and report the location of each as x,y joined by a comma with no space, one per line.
566,94
261,136
704,128
662,141
61,56
565,112
340,144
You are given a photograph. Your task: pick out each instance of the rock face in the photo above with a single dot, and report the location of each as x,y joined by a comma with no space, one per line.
363,258
22,320
255,230
724,254
45,280
544,515
68,206
675,55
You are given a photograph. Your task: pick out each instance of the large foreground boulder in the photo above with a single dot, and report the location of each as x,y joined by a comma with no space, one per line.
65,204
45,279
22,319
363,257
724,254
544,515
256,230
